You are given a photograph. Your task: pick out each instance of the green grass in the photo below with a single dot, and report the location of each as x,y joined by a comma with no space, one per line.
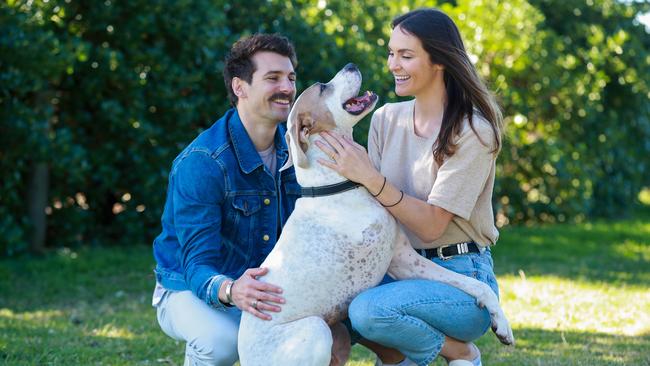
575,295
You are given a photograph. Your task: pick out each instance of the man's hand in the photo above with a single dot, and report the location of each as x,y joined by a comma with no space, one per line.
250,294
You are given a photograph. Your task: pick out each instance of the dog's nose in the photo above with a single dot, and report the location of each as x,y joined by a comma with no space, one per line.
351,67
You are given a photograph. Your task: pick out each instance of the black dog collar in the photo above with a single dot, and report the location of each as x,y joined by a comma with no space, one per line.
329,189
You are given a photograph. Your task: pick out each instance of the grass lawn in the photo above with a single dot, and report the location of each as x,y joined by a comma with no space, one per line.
575,295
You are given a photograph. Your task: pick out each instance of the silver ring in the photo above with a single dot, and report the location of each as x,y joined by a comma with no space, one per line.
254,304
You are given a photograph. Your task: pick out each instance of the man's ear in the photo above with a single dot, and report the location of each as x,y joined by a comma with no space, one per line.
238,88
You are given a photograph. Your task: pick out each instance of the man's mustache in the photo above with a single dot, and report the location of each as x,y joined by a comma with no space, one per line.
283,96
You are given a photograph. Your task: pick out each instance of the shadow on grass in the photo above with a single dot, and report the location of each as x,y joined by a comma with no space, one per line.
82,307
67,278
103,339
618,253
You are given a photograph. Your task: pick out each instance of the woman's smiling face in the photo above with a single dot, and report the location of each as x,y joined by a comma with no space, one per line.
410,64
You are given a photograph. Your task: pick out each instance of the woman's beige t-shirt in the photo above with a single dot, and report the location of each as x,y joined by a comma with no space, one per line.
462,185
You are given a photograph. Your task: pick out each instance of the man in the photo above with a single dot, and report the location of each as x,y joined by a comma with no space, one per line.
226,202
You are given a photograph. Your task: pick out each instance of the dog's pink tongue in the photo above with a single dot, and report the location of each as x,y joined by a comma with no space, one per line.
357,104
354,106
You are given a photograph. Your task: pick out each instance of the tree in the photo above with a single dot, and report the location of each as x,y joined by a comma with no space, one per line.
97,99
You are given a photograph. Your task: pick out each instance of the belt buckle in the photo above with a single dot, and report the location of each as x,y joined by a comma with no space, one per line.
442,256
461,248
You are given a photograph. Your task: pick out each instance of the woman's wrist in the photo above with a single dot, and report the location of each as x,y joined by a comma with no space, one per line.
375,184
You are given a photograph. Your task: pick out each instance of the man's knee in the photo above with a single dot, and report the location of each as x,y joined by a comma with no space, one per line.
218,348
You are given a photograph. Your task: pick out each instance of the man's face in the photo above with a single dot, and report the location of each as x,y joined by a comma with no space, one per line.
272,90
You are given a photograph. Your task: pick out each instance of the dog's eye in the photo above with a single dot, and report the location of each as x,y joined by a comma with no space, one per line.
322,87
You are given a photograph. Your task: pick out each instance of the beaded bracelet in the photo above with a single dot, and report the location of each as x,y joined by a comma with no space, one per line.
381,190
398,201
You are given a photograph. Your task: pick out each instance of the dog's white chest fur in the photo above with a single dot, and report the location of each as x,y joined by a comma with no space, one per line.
339,245
330,250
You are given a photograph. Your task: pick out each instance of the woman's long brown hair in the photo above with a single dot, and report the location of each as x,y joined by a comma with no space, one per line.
465,90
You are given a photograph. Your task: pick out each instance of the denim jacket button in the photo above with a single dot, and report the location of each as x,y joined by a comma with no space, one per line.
266,237
267,201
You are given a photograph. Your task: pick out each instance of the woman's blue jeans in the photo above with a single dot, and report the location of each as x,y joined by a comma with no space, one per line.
414,316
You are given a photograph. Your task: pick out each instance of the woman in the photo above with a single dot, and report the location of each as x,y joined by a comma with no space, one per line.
431,163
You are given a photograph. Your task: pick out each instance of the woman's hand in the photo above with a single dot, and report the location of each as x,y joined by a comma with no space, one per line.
348,158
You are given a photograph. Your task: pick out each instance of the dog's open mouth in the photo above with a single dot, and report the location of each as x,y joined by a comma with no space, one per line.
358,105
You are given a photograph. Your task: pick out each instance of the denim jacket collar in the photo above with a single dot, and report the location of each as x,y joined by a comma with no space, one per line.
247,156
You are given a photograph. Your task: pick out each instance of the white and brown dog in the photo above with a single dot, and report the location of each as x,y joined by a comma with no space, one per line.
335,246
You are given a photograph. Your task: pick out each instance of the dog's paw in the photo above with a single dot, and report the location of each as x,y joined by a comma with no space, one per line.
502,329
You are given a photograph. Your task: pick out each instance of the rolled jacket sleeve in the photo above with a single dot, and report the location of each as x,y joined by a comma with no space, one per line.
198,193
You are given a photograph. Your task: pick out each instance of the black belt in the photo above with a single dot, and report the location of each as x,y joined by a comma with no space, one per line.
329,190
447,251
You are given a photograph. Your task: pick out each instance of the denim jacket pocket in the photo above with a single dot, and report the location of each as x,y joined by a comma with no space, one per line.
248,205
239,229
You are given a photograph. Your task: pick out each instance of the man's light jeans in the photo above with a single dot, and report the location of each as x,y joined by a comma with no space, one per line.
211,334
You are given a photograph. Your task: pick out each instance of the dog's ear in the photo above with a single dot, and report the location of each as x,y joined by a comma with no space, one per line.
323,121
302,127
300,131
289,163
297,138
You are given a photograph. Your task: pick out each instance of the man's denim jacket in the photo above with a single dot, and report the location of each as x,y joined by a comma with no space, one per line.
222,209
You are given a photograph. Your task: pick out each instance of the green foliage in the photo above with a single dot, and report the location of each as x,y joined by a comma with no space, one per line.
579,113
107,94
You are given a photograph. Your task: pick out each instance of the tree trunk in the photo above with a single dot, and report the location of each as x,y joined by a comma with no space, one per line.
37,201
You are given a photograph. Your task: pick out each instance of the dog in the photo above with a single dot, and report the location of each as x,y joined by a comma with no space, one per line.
333,247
